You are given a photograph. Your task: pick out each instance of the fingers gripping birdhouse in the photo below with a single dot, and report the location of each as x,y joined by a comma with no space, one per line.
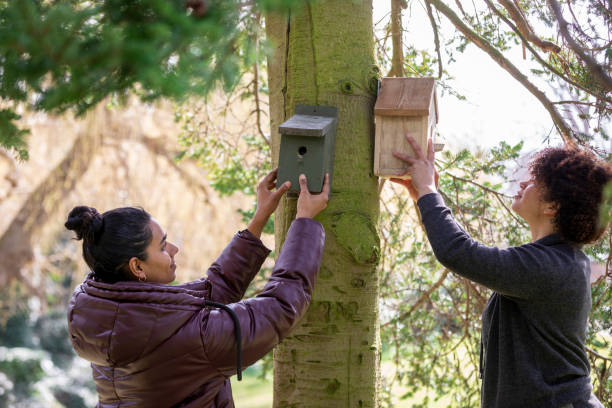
404,106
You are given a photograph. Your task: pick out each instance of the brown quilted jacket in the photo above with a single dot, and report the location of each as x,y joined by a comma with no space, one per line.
155,345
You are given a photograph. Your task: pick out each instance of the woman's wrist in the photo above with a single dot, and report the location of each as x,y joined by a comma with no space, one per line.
257,224
427,190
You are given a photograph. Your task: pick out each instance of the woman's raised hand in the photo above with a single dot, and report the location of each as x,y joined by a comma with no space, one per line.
424,177
309,205
267,201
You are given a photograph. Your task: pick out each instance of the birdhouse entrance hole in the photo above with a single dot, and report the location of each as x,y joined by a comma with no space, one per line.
302,151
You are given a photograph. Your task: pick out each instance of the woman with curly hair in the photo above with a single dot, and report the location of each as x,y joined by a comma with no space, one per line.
534,325
151,344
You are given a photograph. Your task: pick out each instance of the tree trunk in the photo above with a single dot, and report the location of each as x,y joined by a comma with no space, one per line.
324,55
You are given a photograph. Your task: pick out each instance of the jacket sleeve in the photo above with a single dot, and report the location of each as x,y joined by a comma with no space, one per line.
522,272
270,316
236,267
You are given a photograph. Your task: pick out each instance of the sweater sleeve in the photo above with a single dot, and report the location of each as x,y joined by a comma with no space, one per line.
236,267
522,272
270,316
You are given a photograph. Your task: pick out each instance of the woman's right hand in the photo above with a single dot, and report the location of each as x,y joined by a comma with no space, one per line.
309,205
424,177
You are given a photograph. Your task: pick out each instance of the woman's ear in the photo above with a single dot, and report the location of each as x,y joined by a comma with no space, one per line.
550,208
135,267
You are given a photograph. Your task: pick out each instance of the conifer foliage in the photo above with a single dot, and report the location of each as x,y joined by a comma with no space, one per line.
59,55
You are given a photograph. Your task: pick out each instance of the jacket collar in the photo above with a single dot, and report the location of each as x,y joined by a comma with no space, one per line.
188,294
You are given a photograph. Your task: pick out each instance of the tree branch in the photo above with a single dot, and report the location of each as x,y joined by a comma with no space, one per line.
39,206
594,105
523,26
397,60
566,133
420,300
594,68
12,176
157,147
496,194
434,26
256,86
596,354
541,60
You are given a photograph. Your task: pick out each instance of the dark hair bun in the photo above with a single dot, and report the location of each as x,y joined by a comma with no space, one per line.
86,222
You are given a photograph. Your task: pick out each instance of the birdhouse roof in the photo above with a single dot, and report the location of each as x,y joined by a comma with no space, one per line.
307,125
406,97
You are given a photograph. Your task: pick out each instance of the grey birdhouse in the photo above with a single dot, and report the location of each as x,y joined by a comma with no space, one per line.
307,146
403,105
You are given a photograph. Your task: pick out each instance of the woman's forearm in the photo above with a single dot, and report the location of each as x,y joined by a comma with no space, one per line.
257,224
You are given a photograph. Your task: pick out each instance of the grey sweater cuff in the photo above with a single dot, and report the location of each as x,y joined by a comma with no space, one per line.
428,201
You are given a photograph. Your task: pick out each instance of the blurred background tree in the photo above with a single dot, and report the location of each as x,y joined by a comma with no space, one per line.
88,59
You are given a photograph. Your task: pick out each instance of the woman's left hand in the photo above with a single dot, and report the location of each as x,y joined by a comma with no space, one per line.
267,201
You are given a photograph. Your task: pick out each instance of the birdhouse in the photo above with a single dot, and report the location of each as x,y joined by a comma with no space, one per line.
307,146
404,106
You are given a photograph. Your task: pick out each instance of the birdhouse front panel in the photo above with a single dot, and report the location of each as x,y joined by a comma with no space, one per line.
403,106
390,137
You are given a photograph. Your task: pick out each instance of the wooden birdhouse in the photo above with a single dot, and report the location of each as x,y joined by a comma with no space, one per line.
404,105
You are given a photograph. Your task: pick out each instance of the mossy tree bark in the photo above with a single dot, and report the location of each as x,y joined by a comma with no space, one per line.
324,55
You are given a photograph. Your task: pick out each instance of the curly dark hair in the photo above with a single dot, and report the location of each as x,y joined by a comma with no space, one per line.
574,180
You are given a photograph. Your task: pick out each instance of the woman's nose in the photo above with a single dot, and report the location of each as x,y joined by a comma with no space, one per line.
523,184
174,249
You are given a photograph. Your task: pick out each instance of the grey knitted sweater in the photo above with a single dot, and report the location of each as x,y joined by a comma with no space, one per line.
534,324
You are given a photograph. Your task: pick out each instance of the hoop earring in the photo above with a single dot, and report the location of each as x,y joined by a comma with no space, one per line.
141,279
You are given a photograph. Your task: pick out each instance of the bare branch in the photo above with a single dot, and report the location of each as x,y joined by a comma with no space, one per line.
158,148
458,3
424,296
575,103
596,354
497,195
596,69
12,176
256,87
397,60
523,26
16,240
497,56
434,26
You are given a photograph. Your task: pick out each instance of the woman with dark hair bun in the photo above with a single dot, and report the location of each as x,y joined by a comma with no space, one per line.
534,325
151,344
111,239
